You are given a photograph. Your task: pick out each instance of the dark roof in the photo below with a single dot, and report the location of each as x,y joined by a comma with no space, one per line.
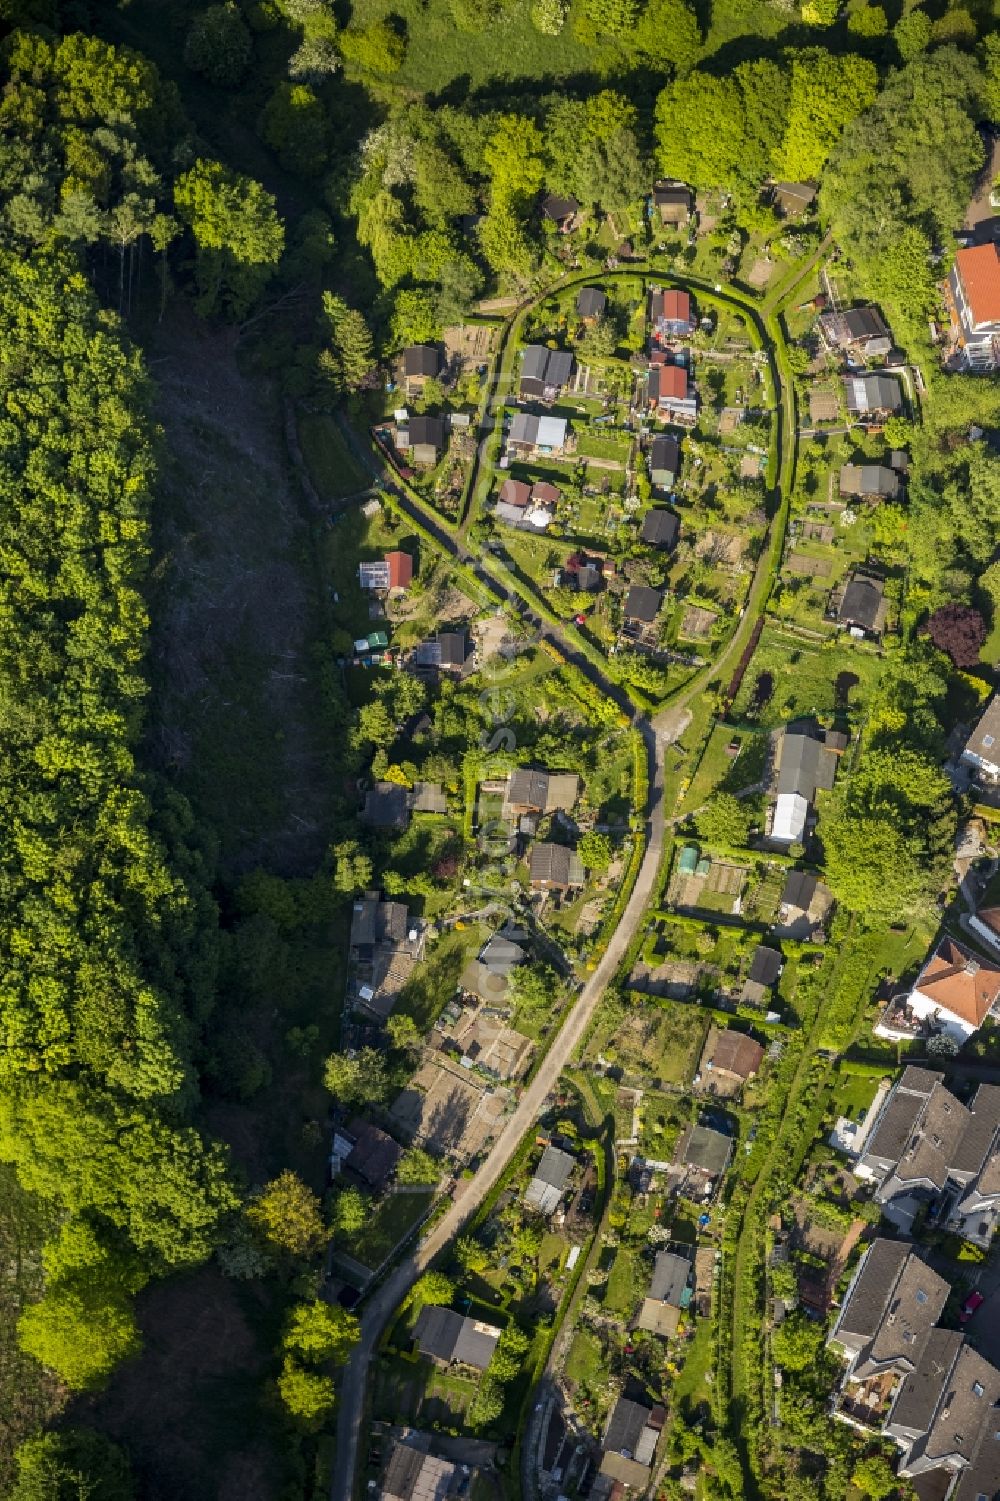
873,393
528,789
425,429
869,479
554,1167
374,1154
920,1392
385,806
806,765
900,1114
799,889
862,602
864,323
766,966
559,370
643,603
625,1425
422,359
547,367
591,302
536,357
965,1409
664,455
707,1149
670,1278
454,648
862,1314
449,1336
660,529
977,1138
556,208
555,864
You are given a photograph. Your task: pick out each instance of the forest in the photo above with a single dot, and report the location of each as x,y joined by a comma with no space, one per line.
327,185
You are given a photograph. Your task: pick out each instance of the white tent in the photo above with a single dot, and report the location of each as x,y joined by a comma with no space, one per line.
790,813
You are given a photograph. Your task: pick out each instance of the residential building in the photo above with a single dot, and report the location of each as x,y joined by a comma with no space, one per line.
426,440
561,212
531,434
982,749
973,294
986,925
548,1184
583,571
669,1293
485,1041
414,1475
667,393
643,604
449,1338
672,201
386,807
954,993
400,566
926,1150
870,482
366,1150
590,304
629,1444
806,765
421,362
873,396
670,313
891,1305
728,1060
545,372
661,528
792,199
553,867
448,651
664,461
963,1415
858,329
374,576
863,608
530,791
706,1150
386,944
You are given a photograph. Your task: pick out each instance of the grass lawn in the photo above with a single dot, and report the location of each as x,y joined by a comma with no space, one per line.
385,1227
623,1288
853,1093
585,1361
434,982
804,679
691,1387
334,470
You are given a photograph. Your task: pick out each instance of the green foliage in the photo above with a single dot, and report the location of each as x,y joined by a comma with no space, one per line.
415,318
595,850
669,35
874,1477
376,49
549,16
80,1331
352,868
71,1465
435,1288
912,34
320,1331
725,820
350,1210
355,1078
307,1395
286,1214
869,21
237,234
219,45
418,1166
826,93
532,989
294,126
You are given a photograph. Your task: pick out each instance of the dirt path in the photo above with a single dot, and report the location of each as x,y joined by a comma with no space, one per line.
234,718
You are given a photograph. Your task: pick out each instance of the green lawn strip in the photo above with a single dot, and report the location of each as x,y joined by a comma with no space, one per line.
333,468
386,1225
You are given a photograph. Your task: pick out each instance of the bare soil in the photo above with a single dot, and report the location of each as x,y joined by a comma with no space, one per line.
234,717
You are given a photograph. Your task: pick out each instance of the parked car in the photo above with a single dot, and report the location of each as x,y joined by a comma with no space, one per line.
972,1302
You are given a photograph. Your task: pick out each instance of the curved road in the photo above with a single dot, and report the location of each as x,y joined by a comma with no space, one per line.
658,733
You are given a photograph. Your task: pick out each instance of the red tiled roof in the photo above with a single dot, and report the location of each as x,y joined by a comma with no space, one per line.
544,494
674,382
979,271
400,569
677,307
958,983
515,492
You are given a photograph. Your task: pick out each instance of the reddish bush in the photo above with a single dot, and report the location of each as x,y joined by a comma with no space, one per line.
960,631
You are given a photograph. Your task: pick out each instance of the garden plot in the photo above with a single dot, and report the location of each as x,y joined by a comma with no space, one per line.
470,345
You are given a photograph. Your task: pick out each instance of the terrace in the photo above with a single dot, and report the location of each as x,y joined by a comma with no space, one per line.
865,1404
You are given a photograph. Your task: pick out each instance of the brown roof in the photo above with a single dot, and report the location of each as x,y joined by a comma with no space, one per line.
673,382
734,1053
990,918
959,983
544,494
823,406
676,307
400,569
979,270
515,492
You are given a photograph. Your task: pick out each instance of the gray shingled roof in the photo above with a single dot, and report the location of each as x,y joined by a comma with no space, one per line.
806,765
862,1313
670,1277
625,1425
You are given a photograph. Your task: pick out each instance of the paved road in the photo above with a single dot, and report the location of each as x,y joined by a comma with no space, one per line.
471,1193
667,727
